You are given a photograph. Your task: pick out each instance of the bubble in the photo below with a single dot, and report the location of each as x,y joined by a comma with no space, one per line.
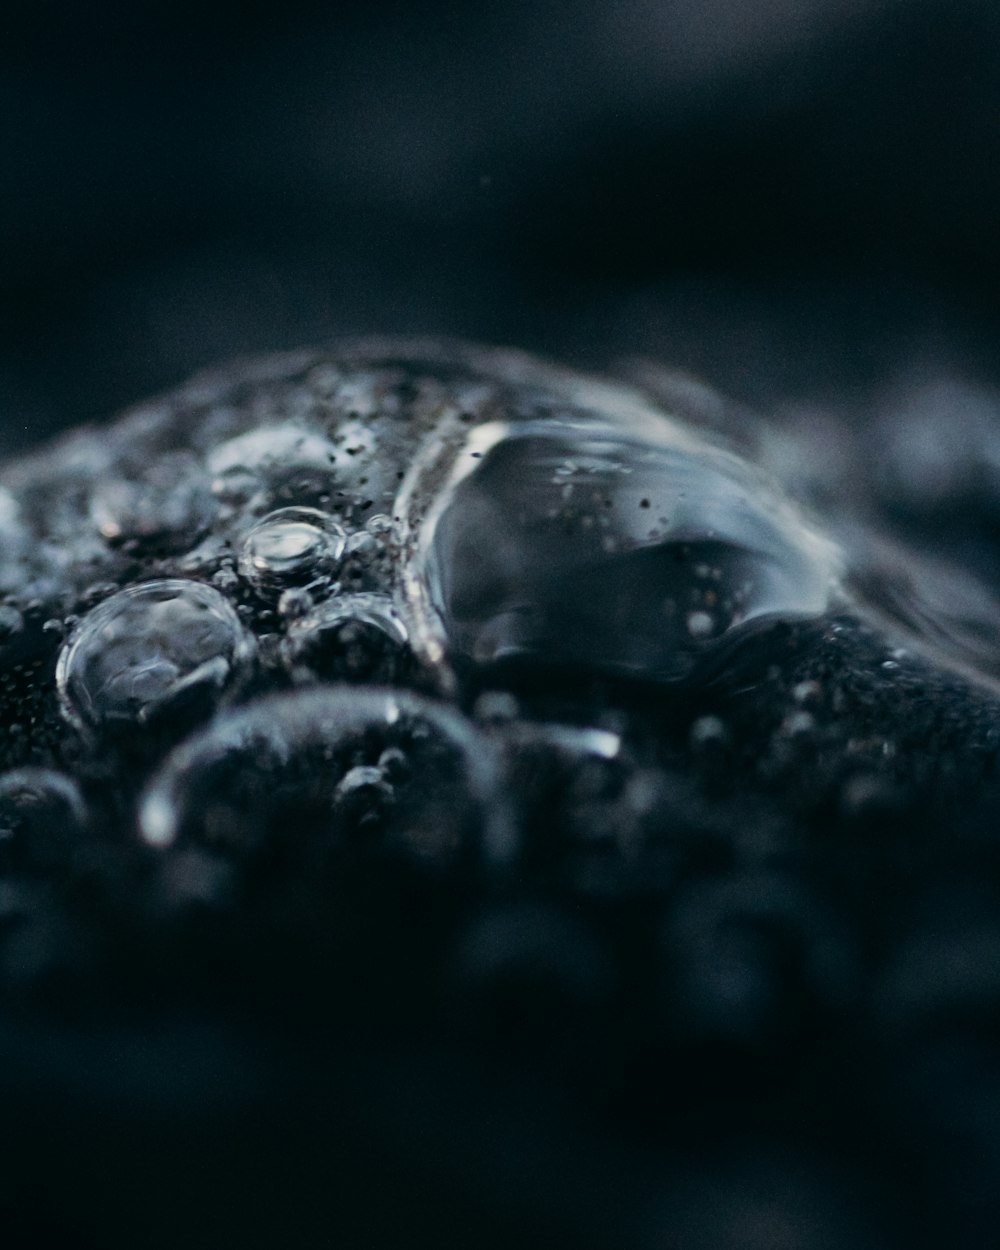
708,730
296,601
147,649
11,622
633,548
363,546
282,446
42,816
291,545
164,509
700,624
325,763
349,638
380,526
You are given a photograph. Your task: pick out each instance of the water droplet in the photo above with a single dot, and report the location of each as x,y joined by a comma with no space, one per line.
322,757
349,638
42,816
291,545
145,649
667,546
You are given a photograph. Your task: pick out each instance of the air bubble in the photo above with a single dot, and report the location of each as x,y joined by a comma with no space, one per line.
349,638
42,817
281,447
291,545
700,624
11,622
148,648
317,763
505,567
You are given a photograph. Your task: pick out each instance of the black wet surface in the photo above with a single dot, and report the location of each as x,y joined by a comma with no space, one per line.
738,986
526,948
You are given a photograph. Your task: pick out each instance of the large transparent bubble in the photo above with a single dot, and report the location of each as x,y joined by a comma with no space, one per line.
381,769
619,548
146,648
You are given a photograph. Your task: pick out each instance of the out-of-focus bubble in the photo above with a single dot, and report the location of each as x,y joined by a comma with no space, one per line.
42,817
165,508
321,762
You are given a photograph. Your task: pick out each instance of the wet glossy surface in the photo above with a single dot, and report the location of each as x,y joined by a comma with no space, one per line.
422,712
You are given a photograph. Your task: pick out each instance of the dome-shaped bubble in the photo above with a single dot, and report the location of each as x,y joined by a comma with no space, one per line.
632,548
372,768
146,648
349,638
42,815
291,545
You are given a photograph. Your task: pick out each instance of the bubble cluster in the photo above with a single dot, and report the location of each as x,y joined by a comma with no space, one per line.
146,648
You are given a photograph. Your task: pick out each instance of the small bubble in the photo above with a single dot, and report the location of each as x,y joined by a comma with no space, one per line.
283,446
363,546
798,724
496,706
42,817
235,486
291,545
350,638
708,730
361,797
146,648
295,602
380,526
11,622
225,579
700,624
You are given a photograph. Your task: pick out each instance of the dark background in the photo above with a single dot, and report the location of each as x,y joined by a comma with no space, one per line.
796,198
